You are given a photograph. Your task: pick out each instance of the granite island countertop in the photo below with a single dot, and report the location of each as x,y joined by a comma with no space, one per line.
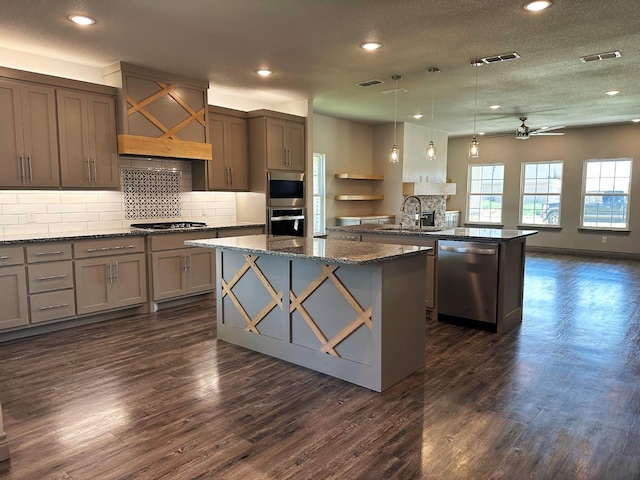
458,233
17,239
318,249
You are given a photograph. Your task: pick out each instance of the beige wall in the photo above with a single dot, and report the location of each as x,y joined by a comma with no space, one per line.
576,146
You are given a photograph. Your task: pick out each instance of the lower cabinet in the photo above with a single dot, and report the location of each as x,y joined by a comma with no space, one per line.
182,272
110,282
13,297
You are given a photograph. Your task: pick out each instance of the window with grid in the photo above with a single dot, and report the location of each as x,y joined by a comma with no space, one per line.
541,193
319,215
605,188
485,187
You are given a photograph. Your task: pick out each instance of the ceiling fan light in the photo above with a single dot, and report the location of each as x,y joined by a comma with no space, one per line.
370,46
81,19
431,151
474,150
613,93
494,107
537,5
418,116
264,72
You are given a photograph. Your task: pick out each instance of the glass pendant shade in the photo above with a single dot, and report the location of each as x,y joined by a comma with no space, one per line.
431,151
474,150
394,157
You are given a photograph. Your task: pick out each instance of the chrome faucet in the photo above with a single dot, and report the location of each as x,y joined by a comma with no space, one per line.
402,207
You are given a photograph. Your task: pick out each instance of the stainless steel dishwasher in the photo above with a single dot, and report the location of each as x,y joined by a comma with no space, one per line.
468,280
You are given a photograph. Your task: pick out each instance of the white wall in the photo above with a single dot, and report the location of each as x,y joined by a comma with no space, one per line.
576,146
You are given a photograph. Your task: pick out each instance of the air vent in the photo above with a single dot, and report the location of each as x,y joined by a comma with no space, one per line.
369,83
600,56
390,92
500,58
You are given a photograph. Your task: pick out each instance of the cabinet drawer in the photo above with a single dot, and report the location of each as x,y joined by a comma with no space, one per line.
11,256
172,241
50,276
52,305
240,232
108,246
47,252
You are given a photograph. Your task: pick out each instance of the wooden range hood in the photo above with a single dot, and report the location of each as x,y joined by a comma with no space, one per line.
160,114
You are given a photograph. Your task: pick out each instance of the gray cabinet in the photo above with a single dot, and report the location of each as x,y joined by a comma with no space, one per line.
229,169
87,139
13,288
28,136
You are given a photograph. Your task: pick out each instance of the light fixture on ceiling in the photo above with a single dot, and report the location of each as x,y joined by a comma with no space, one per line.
81,19
264,72
394,156
418,116
431,148
635,120
371,46
613,93
537,5
494,107
474,146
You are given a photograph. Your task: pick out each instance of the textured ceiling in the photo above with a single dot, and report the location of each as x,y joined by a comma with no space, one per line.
312,45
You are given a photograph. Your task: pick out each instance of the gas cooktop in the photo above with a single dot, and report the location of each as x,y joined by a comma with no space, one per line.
168,225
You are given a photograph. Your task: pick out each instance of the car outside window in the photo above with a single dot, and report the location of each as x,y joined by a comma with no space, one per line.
541,193
485,187
605,196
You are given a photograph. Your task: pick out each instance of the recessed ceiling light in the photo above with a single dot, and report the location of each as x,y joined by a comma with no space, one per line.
264,72
494,107
613,93
418,116
81,19
481,133
544,128
537,5
635,120
371,45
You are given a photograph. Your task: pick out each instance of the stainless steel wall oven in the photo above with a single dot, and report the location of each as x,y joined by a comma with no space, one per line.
286,221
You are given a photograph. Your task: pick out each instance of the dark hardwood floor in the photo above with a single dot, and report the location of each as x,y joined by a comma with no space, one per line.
157,396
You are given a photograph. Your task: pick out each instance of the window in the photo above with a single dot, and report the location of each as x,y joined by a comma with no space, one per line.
606,193
485,193
541,192
319,216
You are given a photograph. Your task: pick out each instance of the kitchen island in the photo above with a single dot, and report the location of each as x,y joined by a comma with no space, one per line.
463,280
351,310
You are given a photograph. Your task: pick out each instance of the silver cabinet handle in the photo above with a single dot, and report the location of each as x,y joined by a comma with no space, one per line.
5,257
109,273
230,176
184,263
30,169
104,249
95,171
52,277
188,262
21,167
477,251
54,252
117,272
59,305
88,171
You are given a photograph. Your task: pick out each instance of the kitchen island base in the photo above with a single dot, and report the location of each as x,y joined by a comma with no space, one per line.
361,323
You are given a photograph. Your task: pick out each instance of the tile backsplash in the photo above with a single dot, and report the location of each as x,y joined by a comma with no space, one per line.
53,211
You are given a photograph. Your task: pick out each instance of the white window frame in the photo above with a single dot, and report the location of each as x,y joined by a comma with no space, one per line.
616,187
542,188
471,194
318,201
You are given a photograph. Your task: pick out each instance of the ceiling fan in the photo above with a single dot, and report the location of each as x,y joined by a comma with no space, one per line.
523,132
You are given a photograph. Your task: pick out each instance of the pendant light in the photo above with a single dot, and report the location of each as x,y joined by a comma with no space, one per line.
474,150
394,156
431,148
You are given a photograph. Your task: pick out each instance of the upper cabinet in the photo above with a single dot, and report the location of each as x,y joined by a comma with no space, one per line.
87,136
229,169
161,114
277,140
28,146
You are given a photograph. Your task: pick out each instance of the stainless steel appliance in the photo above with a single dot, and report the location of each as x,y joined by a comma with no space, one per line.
468,280
168,225
285,189
427,218
286,221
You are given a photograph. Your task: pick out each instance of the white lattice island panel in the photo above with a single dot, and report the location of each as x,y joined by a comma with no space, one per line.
361,323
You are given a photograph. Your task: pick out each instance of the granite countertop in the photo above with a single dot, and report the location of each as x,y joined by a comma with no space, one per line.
459,233
319,249
123,232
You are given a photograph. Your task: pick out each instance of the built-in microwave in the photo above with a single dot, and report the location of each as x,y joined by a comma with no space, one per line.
285,189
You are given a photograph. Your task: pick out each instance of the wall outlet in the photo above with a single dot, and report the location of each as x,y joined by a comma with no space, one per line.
31,216
604,239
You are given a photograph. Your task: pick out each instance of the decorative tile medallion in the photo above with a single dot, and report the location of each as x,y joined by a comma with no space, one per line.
151,193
